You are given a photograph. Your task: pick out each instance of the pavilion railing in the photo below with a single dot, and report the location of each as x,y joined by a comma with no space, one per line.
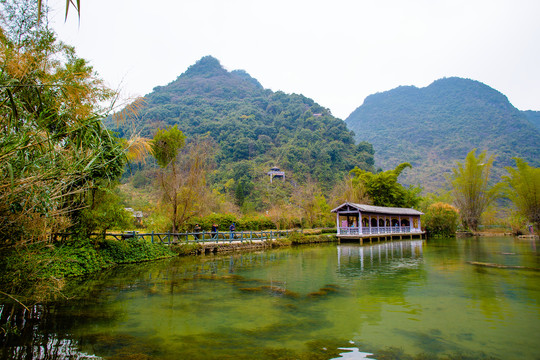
376,230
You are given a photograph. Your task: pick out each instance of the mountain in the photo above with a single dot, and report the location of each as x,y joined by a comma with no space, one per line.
533,117
435,126
254,127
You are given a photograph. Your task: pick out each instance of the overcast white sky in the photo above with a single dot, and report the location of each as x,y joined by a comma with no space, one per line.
336,52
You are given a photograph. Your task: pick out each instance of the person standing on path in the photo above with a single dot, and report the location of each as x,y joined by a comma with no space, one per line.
196,231
214,231
231,231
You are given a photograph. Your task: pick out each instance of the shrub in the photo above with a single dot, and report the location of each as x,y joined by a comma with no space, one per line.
257,222
441,219
186,249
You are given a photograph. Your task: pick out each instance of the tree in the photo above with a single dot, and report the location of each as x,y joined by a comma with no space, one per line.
105,212
195,163
312,205
523,188
471,187
166,147
54,150
383,188
349,190
183,173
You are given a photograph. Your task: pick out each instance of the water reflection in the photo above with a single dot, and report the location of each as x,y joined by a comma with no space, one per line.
356,260
38,332
309,302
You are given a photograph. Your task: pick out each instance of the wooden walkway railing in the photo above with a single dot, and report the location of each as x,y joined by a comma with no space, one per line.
201,237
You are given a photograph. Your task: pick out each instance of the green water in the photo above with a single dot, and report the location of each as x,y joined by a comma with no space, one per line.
394,300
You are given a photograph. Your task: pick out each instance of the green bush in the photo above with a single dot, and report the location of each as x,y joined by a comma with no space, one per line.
441,219
104,212
186,249
132,250
223,221
298,238
329,231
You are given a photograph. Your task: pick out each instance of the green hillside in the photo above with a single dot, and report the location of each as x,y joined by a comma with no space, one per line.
432,127
254,127
533,117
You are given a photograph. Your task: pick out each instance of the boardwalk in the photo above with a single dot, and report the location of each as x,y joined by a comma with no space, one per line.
204,236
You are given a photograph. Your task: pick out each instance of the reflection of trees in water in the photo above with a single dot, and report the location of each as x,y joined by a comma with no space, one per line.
46,331
385,271
43,331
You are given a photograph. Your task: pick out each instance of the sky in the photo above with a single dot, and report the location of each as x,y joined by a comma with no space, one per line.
336,52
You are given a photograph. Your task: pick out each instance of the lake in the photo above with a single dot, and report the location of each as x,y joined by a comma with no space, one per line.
412,299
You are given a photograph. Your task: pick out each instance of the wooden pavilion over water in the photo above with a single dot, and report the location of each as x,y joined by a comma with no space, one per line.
359,221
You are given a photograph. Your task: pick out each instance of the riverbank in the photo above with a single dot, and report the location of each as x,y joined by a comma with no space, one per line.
212,247
37,273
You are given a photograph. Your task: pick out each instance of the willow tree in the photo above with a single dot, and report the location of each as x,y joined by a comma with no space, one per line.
54,149
471,187
524,190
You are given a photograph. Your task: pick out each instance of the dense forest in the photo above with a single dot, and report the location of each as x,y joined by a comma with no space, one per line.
253,129
433,127
533,117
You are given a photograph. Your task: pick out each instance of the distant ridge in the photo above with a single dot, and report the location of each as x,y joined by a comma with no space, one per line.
435,126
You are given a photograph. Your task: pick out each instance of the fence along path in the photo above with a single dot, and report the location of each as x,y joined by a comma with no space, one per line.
203,236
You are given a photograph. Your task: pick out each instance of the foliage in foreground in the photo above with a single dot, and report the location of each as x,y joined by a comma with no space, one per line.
36,271
54,148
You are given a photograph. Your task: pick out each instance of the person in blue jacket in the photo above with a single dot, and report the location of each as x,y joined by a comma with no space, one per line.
231,231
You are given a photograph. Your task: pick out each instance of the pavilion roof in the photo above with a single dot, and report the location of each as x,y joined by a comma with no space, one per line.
377,209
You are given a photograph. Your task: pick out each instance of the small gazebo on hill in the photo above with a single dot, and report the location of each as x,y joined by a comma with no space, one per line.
276,172
359,220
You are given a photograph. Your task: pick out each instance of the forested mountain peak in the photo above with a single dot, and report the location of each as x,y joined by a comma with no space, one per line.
207,66
207,78
435,126
254,129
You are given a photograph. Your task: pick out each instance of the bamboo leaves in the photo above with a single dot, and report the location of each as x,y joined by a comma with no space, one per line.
54,148
523,188
471,187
